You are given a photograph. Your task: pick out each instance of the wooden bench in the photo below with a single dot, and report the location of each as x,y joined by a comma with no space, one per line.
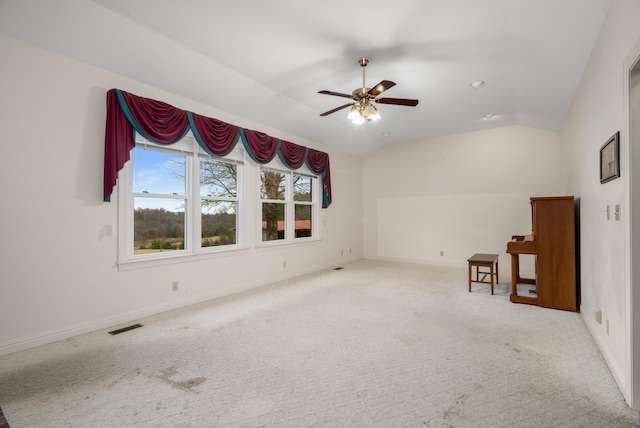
483,261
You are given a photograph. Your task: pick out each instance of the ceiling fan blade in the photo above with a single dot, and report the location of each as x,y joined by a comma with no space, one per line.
326,113
398,101
380,88
337,94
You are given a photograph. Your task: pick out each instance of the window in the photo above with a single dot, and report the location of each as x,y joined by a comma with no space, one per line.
303,205
159,200
288,205
218,202
179,200
184,201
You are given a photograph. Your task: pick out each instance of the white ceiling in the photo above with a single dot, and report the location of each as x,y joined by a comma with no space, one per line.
266,60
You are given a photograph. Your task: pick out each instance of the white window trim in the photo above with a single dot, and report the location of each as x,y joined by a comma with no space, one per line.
290,238
248,194
193,250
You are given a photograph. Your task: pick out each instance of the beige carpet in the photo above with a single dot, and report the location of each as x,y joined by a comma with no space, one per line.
373,345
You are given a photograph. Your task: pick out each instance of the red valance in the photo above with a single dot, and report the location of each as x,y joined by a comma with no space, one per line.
157,121
215,136
164,124
260,146
292,154
318,162
119,140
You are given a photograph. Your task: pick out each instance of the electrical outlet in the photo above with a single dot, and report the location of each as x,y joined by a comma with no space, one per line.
174,286
284,263
342,252
441,252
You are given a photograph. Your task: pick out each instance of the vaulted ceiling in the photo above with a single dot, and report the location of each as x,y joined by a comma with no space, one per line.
267,60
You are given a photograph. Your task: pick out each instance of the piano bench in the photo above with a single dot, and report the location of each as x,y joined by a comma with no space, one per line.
483,261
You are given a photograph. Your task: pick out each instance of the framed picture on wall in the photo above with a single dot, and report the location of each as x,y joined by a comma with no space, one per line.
610,159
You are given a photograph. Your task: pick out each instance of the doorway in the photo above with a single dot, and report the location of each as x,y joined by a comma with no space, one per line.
634,219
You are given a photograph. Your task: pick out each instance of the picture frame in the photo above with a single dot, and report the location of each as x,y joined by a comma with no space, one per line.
610,159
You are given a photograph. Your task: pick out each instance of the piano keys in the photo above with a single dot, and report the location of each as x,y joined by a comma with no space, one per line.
552,243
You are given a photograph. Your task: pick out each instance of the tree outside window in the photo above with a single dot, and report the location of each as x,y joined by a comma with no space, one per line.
273,194
286,195
219,202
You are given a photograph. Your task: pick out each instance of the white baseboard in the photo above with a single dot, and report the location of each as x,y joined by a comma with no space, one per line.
45,337
616,371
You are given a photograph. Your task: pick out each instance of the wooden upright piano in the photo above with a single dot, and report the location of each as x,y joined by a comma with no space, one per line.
554,247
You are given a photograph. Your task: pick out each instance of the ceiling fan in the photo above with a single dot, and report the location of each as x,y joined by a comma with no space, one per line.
362,108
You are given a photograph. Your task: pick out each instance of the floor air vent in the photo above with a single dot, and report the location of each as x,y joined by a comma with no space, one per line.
123,329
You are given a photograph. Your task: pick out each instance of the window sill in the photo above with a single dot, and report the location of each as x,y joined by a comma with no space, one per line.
282,243
128,265
177,258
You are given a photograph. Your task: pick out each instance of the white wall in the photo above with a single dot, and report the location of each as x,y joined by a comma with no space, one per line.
58,273
460,194
597,112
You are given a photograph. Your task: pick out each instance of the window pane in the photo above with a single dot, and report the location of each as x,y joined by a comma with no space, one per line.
272,185
218,223
158,172
303,223
302,188
158,225
218,178
272,221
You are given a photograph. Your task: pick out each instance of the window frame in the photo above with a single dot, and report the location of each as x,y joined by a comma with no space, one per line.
248,201
192,151
290,204
237,199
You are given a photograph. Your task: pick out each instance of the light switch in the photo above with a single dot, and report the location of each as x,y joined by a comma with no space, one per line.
617,212
608,212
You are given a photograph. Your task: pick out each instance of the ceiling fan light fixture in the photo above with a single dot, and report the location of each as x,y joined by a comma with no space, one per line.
355,115
370,112
358,119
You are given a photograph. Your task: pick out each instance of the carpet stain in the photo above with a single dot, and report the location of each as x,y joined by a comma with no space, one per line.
454,410
189,383
409,339
124,377
183,385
